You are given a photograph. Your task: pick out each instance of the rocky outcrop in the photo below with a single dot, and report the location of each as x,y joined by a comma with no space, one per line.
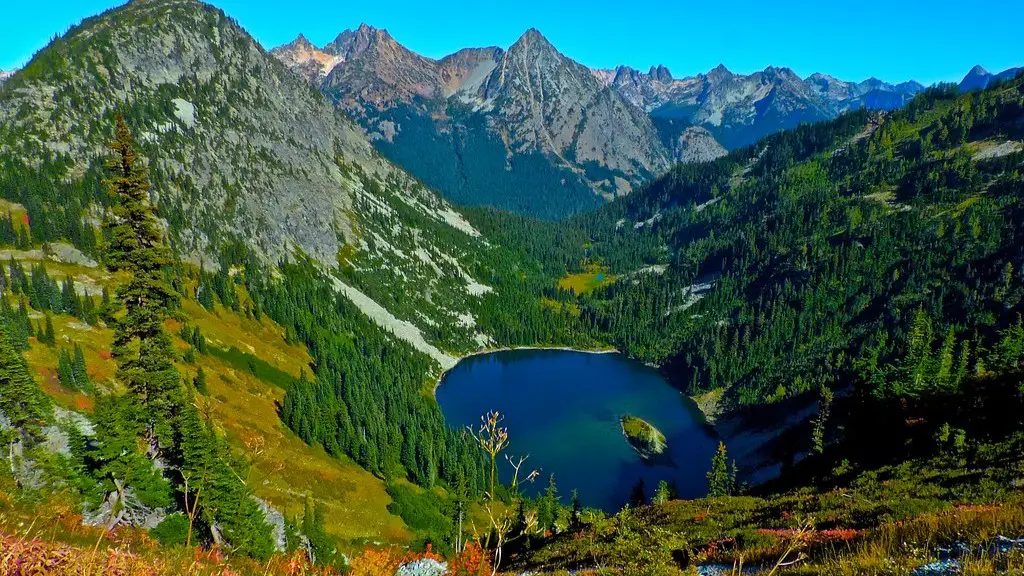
277,524
307,60
696,144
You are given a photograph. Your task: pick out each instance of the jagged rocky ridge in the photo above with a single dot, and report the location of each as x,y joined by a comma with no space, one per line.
531,130
525,128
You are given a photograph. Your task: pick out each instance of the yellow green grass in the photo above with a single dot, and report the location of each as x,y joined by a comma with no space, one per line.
557,306
17,212
594,276
284,469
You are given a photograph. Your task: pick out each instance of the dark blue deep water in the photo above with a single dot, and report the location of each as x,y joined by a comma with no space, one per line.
563,408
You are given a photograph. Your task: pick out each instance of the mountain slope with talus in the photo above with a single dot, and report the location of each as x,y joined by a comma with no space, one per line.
240,150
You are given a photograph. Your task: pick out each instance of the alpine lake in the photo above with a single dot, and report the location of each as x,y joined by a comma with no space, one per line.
563,409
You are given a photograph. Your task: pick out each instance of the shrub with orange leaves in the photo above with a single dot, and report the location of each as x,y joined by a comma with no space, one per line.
429,554
472,561
375,563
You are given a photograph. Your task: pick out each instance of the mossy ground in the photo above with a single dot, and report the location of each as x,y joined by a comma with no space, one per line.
593,277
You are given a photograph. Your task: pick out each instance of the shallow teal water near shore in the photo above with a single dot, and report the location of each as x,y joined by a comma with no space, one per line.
563,408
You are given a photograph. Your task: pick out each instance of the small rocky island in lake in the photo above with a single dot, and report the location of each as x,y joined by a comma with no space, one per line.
647,440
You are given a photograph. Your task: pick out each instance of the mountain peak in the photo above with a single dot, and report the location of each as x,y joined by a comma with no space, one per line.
301,42
720,70
978,70
532,37
352,43
660,73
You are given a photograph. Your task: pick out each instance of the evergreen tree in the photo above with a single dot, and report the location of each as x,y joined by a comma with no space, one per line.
547,506
47,335
141,347
322,545
718,477
576,514
117,461
200,381
78,368
824,408
22,402
661,493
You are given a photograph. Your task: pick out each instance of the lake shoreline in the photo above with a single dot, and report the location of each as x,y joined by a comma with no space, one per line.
486,351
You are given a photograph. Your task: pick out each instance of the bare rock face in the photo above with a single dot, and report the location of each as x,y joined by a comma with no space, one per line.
544,101
307,60
530,100
696,144
379,72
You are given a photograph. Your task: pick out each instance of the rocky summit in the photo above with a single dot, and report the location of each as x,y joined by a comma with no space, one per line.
531,130
547,136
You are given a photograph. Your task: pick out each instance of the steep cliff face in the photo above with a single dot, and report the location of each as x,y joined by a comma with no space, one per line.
540,100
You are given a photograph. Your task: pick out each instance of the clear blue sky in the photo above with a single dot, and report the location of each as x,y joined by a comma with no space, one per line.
893,40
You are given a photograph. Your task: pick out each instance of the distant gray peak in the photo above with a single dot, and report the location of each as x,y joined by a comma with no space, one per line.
720,70
660,73
978,70
532,38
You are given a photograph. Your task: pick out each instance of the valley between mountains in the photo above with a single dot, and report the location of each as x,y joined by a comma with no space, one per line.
232,280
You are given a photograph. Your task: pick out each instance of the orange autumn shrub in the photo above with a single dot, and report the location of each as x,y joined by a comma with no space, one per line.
375,563
472,561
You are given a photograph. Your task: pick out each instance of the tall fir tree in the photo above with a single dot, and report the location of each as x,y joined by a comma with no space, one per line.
719,483
142,348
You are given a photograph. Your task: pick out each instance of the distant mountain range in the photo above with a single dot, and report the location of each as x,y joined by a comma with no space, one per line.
526,129
530,130
5,75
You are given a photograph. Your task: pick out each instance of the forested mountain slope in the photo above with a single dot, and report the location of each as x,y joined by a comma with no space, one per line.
817,256
525,129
